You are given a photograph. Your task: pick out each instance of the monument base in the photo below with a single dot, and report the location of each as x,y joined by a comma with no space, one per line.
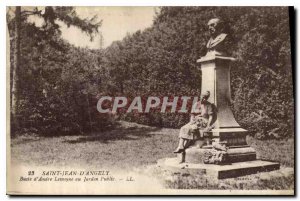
234,154
219,171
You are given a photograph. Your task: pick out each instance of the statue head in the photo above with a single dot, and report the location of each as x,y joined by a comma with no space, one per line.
218,42
205,96
214,26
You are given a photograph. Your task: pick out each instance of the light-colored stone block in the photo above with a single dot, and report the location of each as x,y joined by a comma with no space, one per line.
219,171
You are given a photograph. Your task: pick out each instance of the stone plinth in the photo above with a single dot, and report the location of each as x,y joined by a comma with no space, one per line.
219,171
226,146
234,154
216,79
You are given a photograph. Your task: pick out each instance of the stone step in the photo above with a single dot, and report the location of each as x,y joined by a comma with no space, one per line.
220,171
235,154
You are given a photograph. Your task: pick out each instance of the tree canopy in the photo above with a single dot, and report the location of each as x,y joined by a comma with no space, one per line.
161,60
60,83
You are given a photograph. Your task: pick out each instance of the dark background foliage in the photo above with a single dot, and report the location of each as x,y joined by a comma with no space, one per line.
60,83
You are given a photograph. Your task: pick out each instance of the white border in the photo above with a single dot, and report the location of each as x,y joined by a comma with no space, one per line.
5,3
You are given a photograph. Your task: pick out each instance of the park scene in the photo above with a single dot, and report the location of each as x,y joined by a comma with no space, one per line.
193,97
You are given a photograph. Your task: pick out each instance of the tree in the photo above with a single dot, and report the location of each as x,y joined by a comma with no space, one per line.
162,60
48,33
14,88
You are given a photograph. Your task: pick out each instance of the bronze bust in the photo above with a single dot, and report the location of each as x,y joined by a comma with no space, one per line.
218,42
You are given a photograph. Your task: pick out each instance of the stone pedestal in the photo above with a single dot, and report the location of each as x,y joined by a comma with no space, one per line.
195,154
216,79
218,171
239,158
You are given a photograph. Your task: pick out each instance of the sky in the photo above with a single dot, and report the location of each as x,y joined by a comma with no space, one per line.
116,23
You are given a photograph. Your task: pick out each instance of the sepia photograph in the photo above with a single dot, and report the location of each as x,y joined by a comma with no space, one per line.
150,100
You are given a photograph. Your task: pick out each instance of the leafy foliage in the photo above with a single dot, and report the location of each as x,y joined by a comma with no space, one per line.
161,61
60,83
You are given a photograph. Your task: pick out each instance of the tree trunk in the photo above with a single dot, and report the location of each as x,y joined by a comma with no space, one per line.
15,68
89,112
8,71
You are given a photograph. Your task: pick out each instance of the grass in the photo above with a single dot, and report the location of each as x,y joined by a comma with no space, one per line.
128,146
282,179
137,147
275,150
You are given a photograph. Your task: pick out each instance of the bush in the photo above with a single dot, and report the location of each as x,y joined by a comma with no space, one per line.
162,60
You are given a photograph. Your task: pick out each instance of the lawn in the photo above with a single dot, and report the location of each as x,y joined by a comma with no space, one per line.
128,146
137,147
